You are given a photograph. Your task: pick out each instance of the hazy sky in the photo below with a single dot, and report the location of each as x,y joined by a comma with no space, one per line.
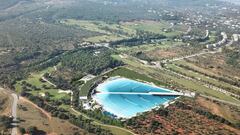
233,1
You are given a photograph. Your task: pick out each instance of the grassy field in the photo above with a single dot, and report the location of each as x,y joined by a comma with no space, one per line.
54,94
98,26
107,32
148,47
149,26
156,27
34,79
84,90
123,72
88,25
116,131
103,38
131,74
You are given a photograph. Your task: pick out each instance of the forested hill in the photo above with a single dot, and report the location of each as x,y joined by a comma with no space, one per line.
108,10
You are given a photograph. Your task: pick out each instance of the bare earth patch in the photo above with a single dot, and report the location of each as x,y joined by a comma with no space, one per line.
219,109
5,103
31,115
214,108
162,53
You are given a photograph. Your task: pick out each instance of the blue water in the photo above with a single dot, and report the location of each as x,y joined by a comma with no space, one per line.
128,105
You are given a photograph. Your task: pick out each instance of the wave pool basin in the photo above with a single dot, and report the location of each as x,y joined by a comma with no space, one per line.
126,98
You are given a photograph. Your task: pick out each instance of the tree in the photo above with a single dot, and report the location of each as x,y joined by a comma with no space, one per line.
32,130
155,125
5,121
22,130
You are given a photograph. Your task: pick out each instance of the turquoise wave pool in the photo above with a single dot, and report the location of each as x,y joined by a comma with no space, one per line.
129,104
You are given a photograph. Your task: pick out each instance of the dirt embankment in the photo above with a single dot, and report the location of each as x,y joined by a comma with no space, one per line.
213,107
231,113
5,102
32,115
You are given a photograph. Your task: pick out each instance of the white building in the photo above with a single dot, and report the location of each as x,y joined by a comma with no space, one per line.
236,37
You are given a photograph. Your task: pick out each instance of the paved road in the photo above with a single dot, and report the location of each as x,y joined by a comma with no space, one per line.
14,113
190,56
46,80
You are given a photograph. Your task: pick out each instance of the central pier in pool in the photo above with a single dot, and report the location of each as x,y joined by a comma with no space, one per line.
126,98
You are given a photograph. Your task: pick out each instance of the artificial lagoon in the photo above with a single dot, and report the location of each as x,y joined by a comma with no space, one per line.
126,98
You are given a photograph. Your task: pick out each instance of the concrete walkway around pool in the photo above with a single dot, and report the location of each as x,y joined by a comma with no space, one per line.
146,93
